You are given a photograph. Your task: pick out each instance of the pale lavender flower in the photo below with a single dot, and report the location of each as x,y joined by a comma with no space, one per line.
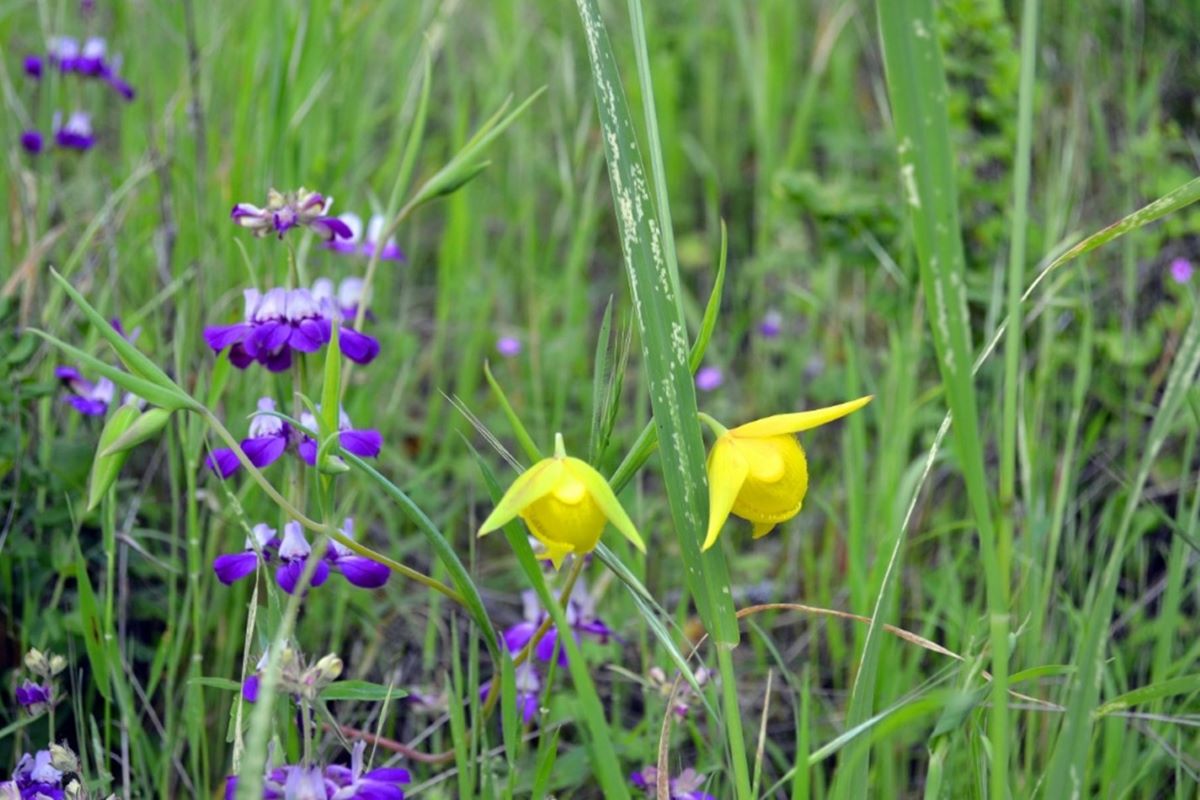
709,378
508,346
687,785
581,618
36,777
342,303
771,325
89,399
365,443
1181,270
260,544
34,697
294,552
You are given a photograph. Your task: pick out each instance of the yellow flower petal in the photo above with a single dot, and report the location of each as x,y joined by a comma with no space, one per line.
800,421
761,529
771,495
602,493
529,487
727,471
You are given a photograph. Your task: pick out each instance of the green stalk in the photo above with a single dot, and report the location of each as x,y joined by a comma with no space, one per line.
648,248
917,87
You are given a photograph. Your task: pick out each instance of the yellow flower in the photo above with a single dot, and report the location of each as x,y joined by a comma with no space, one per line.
565,503
758,470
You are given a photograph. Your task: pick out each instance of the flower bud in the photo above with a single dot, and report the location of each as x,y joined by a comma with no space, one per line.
329,668
35,662
57,664
62,758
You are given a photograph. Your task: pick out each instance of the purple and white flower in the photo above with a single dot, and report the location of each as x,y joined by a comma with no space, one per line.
89,61
334,782
34,697
771,324
581,618
294,552
687,785
363,572
366,245
528,685
269,437
365,443
344,302
37,777
278,322
90,399
76,134
260,542
283,212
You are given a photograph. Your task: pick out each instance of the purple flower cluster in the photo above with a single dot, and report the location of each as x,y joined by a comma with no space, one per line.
333,782
365,242
35,777
291,554
299,209
279,322
269,437
91,399
581,618
687,785
89,61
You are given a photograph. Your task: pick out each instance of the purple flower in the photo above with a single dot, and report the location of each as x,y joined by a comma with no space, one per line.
294,551
33,66
344,303
1181,270
581,618
267,439
32,141
334,782
528,689
33,696
358,244
260,543
382,783
63,52
365,443
283,212
709,378
280,321
508,346
771,325
36,777
684,786
91,399
363,572
76,134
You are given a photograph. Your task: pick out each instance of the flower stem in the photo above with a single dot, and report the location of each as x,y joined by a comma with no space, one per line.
717,428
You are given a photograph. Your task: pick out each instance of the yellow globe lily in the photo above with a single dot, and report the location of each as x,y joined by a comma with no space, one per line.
565,503
758,472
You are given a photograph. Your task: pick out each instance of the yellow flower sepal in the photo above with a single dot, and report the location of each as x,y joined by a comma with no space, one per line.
565,503
758,471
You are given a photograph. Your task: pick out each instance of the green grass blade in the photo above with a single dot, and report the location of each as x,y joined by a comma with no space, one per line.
917,88
648,250
1067,770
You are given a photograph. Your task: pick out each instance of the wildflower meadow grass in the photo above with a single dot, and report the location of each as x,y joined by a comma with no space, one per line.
599,399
